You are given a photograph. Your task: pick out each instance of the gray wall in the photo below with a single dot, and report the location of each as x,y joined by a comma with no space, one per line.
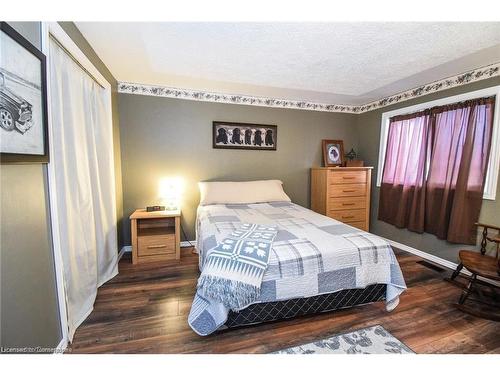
163,137
29,309
368,126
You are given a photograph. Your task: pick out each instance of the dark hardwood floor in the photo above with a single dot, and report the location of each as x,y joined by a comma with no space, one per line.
144,310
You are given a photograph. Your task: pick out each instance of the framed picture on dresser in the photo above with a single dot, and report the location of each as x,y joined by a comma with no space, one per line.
333,152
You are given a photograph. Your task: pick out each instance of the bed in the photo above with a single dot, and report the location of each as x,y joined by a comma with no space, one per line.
316,264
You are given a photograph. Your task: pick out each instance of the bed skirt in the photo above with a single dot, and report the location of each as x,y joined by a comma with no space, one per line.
278,310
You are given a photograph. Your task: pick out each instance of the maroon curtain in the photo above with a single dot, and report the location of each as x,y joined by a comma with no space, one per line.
434,171
402,193
457,170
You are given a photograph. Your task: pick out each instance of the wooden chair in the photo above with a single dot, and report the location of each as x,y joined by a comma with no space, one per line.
480,265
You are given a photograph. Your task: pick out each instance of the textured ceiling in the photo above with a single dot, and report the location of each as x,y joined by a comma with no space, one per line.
341,63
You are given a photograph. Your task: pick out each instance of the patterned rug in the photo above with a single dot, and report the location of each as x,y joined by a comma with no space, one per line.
371,340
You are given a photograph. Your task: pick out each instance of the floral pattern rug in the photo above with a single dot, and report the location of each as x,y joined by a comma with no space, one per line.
371,340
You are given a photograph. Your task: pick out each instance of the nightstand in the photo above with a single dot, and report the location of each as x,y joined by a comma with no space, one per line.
155,236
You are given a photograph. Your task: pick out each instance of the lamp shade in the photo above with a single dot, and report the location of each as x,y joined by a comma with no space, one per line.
170,191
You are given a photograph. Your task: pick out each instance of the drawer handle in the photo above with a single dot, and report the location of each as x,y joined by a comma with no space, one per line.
347,178
348,204
347,217
348,191
156,246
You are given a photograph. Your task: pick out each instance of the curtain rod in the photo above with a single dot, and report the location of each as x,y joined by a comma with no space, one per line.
59,44
432,110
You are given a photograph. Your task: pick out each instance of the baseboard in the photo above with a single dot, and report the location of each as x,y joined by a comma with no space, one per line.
125,249
61,347
191,243
423,254
435,259
128,248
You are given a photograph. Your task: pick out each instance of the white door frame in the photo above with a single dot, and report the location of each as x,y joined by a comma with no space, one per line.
54,30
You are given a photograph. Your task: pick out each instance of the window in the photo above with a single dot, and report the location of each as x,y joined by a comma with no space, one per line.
406,152
494,160
436,163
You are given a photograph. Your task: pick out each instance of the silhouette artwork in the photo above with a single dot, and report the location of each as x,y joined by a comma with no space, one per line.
236,138
269,137
221,136
257,140
248,137
236,135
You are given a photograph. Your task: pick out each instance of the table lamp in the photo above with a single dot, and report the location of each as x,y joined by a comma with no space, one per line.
170,190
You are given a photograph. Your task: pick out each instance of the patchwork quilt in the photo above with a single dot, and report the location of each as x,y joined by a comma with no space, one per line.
311,255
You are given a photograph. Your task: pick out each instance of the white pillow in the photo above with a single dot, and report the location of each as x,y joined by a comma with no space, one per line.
242,192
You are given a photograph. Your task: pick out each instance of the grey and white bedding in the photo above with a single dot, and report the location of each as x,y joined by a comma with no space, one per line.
311,255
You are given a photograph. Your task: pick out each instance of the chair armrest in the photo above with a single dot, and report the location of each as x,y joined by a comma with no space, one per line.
489,226
495,239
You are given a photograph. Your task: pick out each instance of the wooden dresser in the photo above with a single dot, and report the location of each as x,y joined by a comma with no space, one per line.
342,193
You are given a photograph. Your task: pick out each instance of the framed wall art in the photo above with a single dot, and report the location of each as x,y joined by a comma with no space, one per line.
333,152
241,136
23,100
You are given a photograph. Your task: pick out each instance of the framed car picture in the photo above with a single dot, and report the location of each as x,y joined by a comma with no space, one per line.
23,100
333,153
241,136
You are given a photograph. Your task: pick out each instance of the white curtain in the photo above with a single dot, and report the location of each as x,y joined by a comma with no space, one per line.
84,183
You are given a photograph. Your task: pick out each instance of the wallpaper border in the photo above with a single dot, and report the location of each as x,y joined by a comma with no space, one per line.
479,74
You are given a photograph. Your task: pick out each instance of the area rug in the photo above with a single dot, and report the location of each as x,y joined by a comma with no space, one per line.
371,340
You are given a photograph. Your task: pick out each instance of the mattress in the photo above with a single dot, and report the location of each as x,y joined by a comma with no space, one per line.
311,255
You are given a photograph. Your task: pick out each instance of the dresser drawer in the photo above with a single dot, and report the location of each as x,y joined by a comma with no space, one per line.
360,225
348,215
155,245
347,190
347,177
345,203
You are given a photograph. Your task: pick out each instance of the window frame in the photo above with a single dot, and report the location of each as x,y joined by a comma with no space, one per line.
492,170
